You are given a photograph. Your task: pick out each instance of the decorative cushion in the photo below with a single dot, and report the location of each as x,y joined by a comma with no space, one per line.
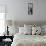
44,26
36,30
28,26
44,29
13,30
28,31
23,30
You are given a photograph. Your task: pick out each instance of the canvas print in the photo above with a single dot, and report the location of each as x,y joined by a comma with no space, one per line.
30,8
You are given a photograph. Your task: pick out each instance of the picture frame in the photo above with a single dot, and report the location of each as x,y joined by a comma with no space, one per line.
30,8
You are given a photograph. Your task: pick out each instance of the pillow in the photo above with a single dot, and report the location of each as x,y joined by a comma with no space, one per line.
28,26
44,29
24,30
44,26
36,30
21,30
28,31
13,30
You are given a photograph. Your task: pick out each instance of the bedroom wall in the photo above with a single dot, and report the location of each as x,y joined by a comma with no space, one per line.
18,10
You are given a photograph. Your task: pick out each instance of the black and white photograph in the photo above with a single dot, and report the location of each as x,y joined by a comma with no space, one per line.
30,8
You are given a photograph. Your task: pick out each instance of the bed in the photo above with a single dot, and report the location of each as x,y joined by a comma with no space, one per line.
29,40
21,39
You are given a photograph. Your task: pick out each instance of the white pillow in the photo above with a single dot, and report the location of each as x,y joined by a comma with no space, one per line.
42,30
28,31
23,30
44,27
28,26
36,30
13,30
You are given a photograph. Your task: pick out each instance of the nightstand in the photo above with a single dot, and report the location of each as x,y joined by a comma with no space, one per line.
7,40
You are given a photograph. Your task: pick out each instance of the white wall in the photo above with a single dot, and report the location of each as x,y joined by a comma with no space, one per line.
18,10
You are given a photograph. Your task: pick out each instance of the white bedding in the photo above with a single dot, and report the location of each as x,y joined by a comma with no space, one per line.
29,40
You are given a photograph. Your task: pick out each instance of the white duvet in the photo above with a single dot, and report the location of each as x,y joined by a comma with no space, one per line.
29,40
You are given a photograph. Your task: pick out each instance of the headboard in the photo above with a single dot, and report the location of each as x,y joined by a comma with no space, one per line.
21,23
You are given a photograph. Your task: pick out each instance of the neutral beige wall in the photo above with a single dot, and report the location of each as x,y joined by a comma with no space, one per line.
21,23
17,10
